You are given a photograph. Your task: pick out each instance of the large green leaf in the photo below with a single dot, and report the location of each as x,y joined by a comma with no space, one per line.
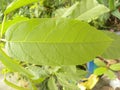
55,41
113,52
17,4
86,10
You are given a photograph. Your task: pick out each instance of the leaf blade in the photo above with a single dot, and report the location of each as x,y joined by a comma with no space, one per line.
51,84
115,67
12,65
85,10
17,4
113,52
100,70
60,43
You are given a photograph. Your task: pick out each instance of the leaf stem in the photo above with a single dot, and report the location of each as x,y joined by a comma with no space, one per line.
2,28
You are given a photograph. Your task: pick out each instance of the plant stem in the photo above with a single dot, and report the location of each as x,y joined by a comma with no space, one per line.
2,28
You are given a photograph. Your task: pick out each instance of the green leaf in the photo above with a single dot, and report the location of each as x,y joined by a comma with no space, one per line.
113,51
112,4
115,67
100,70
8,23
13,65
99,63
39,74
51,69
110,74
17,4
71,74
52,84
14,86
68,69
67,80
86,10
60,12
116,13
55,41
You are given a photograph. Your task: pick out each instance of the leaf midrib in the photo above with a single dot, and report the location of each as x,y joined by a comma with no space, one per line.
83,42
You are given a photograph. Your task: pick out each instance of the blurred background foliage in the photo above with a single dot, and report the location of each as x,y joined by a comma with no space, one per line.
50,8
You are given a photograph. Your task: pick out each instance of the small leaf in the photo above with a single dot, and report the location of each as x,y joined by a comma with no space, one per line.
110,74
52,84
99,63
17,4
115,67
100,71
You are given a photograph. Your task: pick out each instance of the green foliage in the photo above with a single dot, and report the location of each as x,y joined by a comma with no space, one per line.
103,21
52,84
40,74
68,81
112,5
86,10
116,13
48,46
115,67
113,52
8,23
13,65
100,70
17,4
99,63
110,74
62,42
14,86
3,4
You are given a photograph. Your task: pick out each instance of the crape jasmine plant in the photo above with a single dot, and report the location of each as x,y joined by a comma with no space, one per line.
43,52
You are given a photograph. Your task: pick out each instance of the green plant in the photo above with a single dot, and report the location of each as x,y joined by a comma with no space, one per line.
47,50
110,19
85,10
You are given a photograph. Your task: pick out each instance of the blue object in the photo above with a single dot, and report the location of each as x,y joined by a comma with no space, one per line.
91,67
